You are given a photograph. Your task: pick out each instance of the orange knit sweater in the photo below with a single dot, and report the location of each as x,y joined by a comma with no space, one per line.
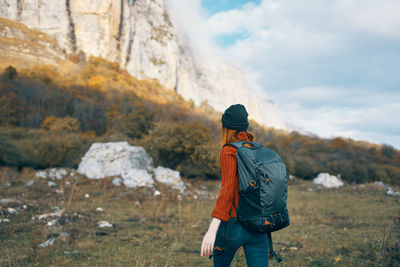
229,182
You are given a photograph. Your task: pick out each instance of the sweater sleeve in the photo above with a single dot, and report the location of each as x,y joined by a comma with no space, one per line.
229,184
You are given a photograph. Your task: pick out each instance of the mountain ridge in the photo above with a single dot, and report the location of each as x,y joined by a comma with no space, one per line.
140,37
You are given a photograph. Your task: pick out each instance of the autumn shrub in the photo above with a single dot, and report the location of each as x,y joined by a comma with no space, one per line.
67,124
136,123
203,162
41,148
171,144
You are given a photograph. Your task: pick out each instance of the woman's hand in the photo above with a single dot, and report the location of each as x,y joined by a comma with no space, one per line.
207,245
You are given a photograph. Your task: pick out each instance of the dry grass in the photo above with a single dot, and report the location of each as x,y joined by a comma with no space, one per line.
343,227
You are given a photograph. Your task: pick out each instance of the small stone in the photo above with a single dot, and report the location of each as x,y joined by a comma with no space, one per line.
117,181
24,207
59,191
157,193
8,184
12,211
41,174
103,224
87,195
4,220
51,184
30,183
52,222
67,182
99,209
195,197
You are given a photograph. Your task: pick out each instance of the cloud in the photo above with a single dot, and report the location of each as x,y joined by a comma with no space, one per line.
331,66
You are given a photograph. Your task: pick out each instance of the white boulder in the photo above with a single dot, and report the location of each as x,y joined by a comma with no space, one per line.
169,177
328,181
137,178
131,163
113,158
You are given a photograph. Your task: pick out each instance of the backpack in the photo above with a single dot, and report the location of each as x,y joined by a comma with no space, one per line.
263,181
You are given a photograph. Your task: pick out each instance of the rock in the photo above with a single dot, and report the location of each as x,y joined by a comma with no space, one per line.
103,224
41,174
113,158
131,163
30,183
392,192
57,173
382,184
117,181
62,236
12,211
52,173
137,178
389,190
67,182
56,214
4,220
51,184
157,193
52,222
170,178
6,201
98,209
328,181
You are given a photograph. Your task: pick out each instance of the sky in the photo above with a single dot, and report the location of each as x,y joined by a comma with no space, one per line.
331,66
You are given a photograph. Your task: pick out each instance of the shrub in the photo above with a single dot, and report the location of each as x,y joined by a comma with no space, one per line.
135,123
67,124
203,162
171,143
10,72
41,148
303,168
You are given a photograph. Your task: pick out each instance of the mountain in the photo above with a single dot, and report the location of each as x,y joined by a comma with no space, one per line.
141,38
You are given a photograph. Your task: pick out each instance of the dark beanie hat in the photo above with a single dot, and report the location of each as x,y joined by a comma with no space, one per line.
235,117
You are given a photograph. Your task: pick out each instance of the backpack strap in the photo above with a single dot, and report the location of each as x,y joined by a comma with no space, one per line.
272,253
240,144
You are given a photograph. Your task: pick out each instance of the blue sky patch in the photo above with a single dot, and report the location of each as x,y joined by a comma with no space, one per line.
225,40
216,6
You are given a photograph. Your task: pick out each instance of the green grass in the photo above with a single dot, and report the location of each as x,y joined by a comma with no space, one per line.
343,227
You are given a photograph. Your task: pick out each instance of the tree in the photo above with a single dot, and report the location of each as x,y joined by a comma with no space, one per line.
10,72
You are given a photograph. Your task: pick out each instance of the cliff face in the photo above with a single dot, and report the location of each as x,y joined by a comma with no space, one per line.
141,38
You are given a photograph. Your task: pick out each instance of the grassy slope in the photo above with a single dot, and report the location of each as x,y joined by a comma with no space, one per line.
341,227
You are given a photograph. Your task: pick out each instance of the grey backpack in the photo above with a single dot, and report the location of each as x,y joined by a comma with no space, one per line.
263,182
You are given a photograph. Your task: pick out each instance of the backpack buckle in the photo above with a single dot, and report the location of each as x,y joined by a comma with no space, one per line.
252,183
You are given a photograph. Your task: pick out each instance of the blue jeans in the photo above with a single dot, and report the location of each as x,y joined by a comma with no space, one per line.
255,245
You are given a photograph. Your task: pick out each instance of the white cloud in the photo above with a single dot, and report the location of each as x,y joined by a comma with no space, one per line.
330,65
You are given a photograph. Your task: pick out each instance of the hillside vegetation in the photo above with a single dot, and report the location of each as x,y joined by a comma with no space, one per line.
49,117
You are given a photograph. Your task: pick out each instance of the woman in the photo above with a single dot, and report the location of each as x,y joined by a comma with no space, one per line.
225,235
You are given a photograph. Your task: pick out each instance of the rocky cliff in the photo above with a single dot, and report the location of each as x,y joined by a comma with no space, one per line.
140,36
